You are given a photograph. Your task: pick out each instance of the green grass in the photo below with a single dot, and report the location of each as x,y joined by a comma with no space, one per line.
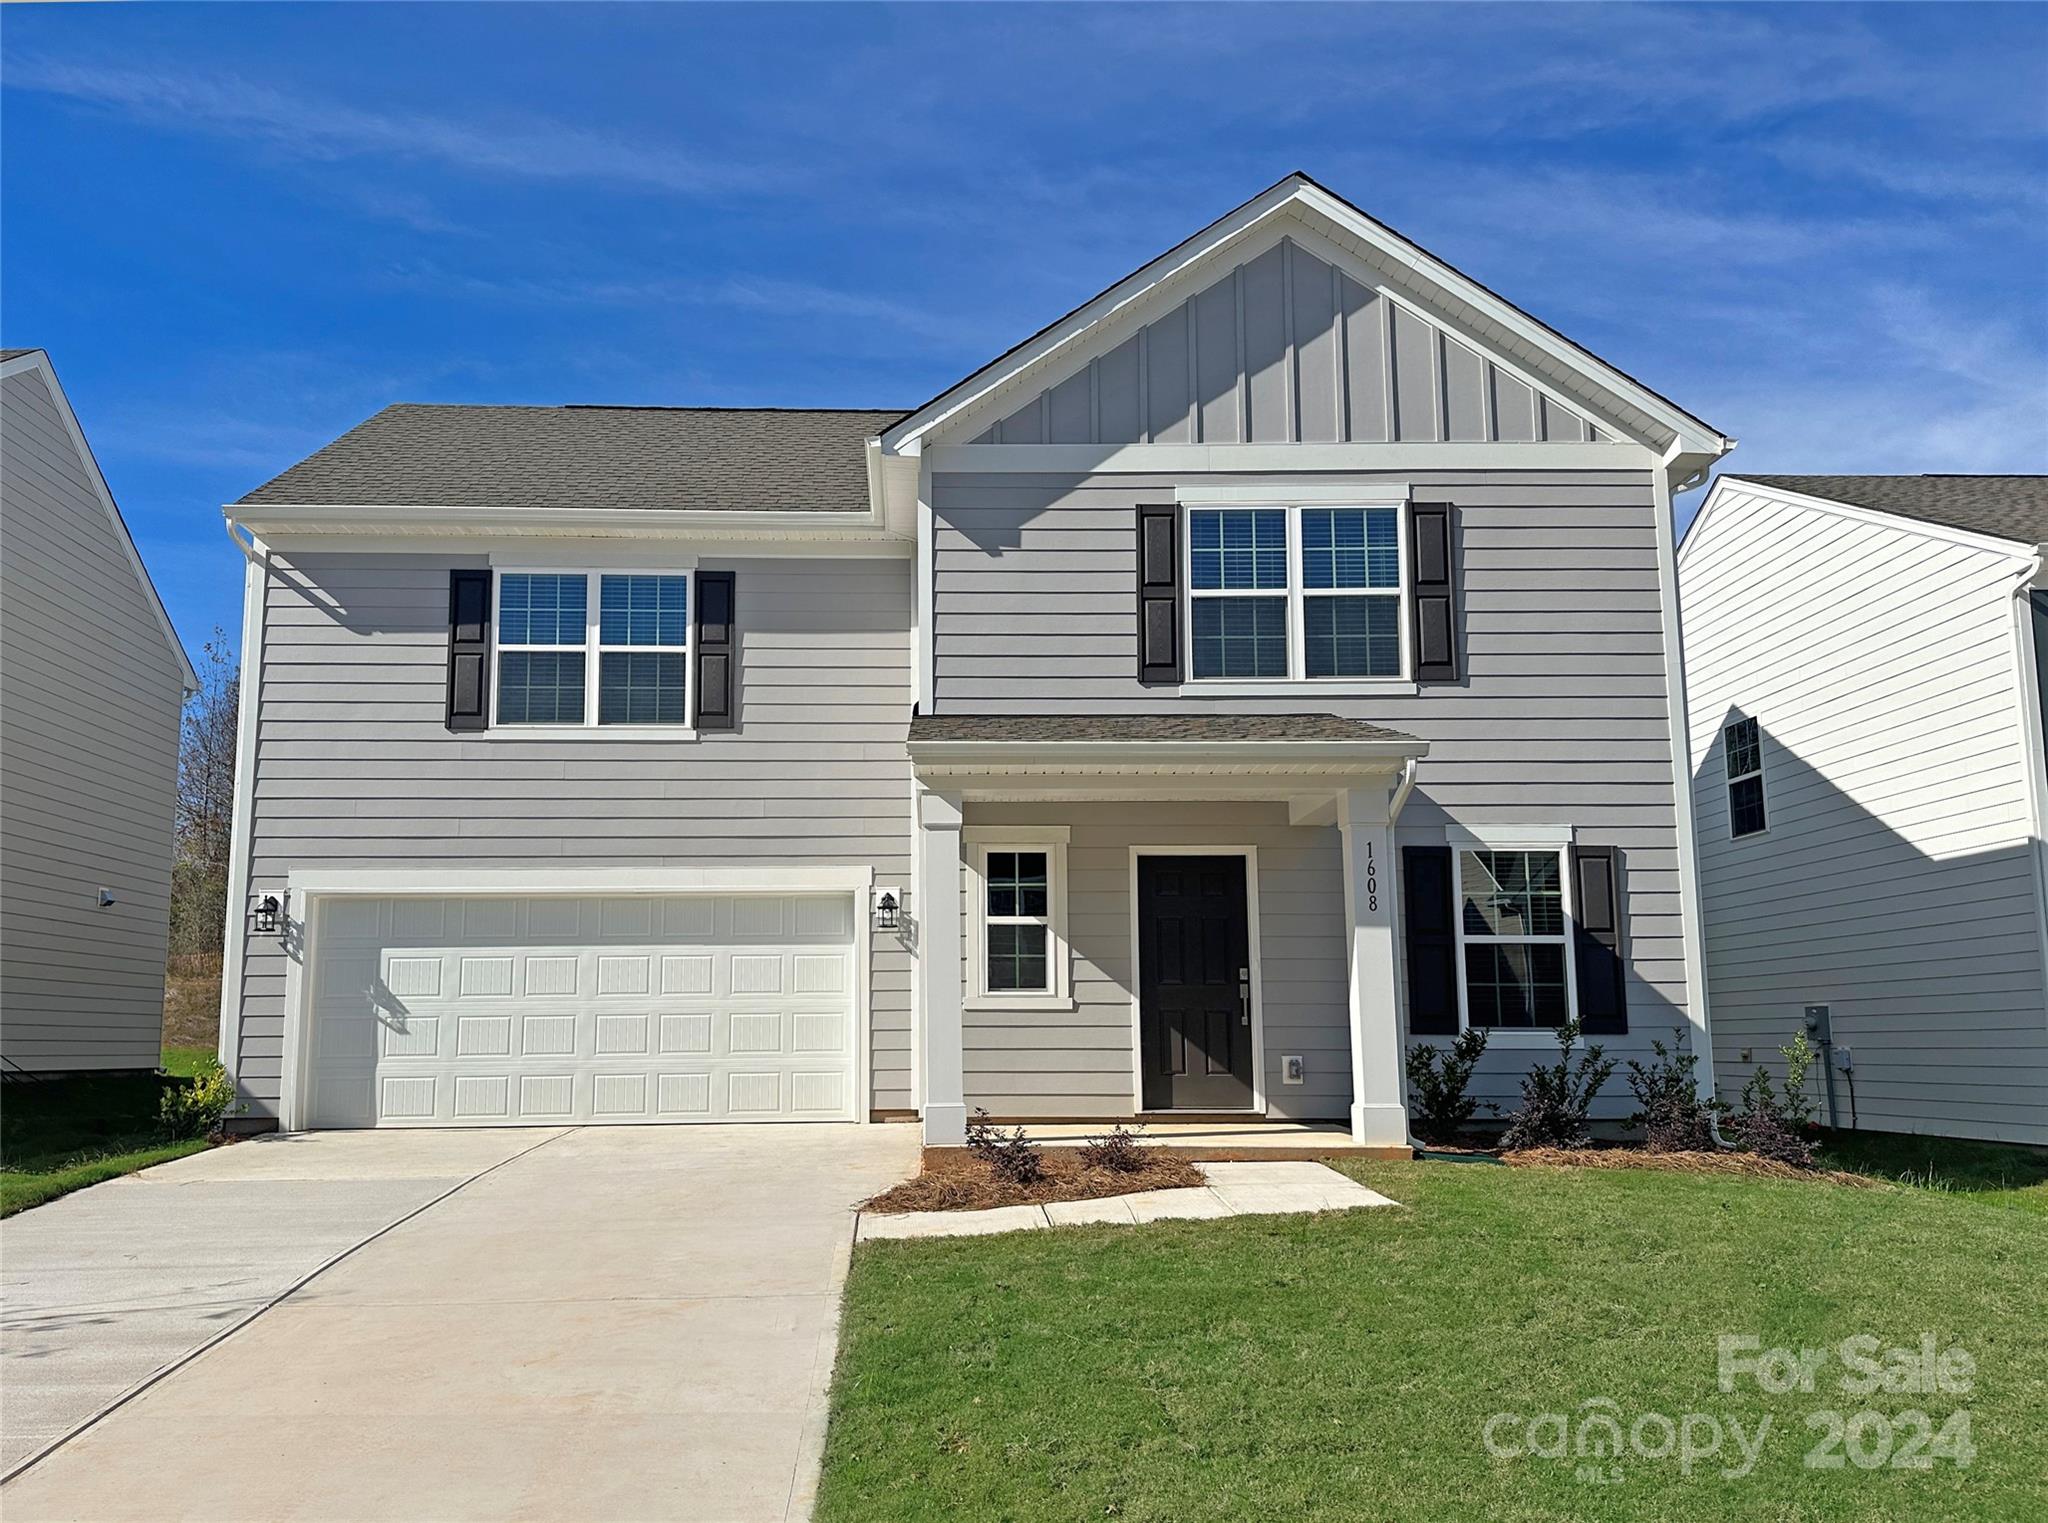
61,1135
1343,1367
1987,1172
185,1062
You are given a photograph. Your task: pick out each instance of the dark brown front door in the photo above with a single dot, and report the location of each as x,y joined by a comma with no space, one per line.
1194,983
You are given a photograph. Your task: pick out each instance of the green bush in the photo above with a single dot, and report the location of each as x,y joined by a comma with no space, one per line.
1439,1110
197,1107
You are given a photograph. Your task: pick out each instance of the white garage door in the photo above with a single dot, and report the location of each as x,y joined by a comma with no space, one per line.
541,1011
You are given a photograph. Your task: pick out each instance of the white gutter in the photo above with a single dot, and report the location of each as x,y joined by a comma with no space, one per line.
255,586
432,518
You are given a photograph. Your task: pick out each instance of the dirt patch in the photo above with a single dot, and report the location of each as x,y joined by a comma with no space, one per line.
959,1181
1745,1164
192,1001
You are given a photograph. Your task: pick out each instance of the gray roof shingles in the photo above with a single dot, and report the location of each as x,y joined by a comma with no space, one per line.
1146,727
739,459
2007,507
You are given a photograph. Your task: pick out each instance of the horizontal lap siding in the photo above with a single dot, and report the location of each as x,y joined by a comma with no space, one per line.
1896,882
1562,718
90,693
356,768
1078,1062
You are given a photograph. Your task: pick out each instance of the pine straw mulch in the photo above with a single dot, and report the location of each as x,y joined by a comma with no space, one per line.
959,1181
1745,1164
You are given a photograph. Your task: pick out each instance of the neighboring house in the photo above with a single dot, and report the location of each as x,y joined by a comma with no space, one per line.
1276,652
92,682
1864,658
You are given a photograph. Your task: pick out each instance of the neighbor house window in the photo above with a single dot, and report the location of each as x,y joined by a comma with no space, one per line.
1743,748
1513,935
1018,932
593,648
1303,593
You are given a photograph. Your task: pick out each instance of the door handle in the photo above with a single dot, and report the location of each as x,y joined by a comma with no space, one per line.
1244,996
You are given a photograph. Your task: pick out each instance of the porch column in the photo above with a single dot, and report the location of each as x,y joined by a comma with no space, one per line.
938,959
1378,1117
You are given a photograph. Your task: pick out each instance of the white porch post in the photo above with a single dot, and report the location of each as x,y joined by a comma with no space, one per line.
1378,1117
938,954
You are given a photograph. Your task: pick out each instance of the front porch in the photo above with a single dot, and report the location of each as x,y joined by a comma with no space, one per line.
1161,918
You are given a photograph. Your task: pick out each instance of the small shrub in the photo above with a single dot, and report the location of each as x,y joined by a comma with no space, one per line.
1773,1125
196,1107
1439,1110
1669,1110
1557,1098
1118,1151
1009,1155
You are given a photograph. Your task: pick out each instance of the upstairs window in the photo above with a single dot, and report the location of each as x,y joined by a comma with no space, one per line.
1294,593
1743,751
593,648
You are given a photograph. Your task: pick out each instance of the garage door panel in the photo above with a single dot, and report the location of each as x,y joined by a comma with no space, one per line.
473,1011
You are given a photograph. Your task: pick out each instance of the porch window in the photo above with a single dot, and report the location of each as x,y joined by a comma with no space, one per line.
1296,593
1513,934
1017,938
591,648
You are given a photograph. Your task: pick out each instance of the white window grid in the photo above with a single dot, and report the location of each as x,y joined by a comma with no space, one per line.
1464,849
592,648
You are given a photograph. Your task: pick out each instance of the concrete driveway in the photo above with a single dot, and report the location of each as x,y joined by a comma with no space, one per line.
601,1324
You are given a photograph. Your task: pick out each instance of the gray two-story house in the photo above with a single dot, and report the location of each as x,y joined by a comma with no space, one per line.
1268,664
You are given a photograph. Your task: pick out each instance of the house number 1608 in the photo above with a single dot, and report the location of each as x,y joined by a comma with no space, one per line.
1372,878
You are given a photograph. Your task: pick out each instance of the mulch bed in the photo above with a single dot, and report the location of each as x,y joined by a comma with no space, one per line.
1746,1164
960,1181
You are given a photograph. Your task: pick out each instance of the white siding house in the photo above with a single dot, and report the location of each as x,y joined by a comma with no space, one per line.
1868,783
92,679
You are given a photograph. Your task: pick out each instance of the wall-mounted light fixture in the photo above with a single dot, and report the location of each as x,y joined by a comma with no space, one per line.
888,909
266,914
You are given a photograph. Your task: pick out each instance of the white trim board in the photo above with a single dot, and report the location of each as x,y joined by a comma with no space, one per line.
1253,933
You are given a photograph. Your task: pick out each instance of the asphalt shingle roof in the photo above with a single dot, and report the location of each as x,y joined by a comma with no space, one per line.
741,459
1143,727
14,354
2009,507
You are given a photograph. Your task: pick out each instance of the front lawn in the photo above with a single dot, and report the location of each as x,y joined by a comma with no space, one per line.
60,1135
1346,1367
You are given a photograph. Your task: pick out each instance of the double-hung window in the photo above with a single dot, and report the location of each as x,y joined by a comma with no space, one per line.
1514,939
1296,593
1018,932
593,648
1742,746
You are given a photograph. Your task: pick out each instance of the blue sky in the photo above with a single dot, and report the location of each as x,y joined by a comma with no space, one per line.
241,229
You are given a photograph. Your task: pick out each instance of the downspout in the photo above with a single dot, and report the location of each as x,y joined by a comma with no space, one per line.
234,936
1690,898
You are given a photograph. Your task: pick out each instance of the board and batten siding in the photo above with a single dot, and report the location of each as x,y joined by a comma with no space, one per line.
356,769
90,695
1561,717
1896,879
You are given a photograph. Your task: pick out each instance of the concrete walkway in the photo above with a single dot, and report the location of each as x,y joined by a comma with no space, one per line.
1234,1189
610,1324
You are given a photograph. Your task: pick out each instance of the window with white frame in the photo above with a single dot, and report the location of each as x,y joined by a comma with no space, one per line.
1019,936
1742,746
1514,939
1295,593
593,648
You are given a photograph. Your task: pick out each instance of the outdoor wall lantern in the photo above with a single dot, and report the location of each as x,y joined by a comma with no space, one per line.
266,914
888,909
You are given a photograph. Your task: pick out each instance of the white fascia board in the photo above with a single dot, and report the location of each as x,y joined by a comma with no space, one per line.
1164,757
1270,459
36,359
1298,194
273,520
497,882
1726,486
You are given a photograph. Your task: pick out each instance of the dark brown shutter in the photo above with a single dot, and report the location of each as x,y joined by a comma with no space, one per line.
1432,591
469,650
1429,908
1598,964
1158,595
718,688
